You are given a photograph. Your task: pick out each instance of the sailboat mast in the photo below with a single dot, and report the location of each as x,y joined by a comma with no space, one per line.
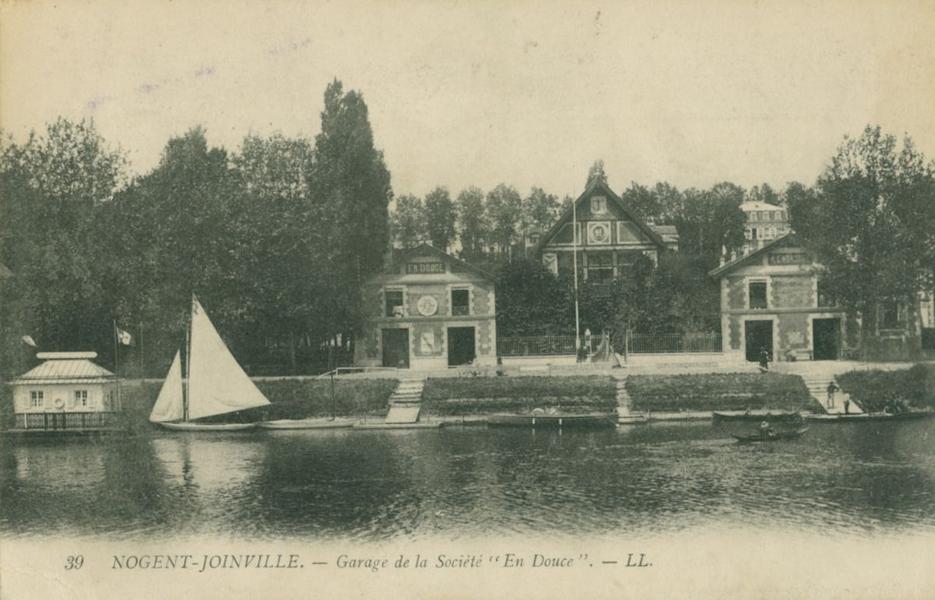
188,368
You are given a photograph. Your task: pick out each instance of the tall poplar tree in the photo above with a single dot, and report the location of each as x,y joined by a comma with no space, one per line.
351,191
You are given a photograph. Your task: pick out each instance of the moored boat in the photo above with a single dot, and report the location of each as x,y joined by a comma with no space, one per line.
553,420
216,384
771,436
875,417
777,417
292,424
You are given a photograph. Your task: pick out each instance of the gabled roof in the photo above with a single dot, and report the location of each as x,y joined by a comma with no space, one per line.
65,370
785,240
598,185
400,255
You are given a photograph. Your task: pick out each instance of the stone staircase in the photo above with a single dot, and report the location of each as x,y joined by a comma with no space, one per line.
817,375
406,401
818,387
623,398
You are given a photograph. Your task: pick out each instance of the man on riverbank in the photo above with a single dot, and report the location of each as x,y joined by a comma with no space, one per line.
832,388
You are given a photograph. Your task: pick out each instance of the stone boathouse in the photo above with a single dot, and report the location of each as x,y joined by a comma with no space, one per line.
428,310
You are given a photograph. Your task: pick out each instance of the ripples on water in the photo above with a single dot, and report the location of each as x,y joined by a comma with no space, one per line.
456,483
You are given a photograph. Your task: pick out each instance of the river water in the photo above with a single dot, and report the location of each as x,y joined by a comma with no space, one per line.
469,482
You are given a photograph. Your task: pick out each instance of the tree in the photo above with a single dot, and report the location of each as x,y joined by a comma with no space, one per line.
440,218
273,231
351,192
596,173
473,227
539,212
871,223
711,222
50,189
408,222
532,301
503,208
642,201
763,193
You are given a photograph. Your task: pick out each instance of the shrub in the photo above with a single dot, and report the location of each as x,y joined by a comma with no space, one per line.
484,395
722,391
875,390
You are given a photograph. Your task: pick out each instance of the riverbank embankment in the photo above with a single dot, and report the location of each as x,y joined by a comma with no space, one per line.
469,399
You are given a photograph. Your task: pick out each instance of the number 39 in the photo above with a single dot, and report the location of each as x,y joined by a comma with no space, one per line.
74,562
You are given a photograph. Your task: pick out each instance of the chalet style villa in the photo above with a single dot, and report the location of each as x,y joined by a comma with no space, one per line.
609,237
428,310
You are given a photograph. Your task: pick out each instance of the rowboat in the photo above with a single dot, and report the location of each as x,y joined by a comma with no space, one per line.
553,420
775,417
773,436
283,424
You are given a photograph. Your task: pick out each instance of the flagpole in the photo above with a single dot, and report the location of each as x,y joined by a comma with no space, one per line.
117,365
574,256
142,375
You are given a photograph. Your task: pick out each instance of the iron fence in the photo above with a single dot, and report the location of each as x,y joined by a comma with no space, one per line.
673,343
634,343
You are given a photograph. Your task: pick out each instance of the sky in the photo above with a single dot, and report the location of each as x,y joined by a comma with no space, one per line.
482,92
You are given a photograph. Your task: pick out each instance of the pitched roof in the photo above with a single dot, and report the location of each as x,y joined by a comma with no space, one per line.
400,255
65,370
596,185
789,238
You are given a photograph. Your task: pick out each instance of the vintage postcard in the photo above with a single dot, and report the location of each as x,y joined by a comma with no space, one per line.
467,299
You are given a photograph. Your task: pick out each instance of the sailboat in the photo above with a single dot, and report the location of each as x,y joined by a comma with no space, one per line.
216,383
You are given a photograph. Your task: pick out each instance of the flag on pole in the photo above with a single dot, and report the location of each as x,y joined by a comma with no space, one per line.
123,337
27,339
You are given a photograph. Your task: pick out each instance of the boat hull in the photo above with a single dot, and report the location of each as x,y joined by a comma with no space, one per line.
776,437
545,420
782,417
876,417
216,427
293,424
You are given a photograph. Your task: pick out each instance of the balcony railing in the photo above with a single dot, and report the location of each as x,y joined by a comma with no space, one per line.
66,420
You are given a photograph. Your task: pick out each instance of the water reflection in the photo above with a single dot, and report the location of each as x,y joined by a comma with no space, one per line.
468,482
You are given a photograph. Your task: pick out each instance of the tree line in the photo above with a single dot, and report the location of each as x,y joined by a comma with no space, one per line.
277,237
274,239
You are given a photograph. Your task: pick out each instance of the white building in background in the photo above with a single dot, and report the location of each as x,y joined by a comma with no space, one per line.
66,392
764,223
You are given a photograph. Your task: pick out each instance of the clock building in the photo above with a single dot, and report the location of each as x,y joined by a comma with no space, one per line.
428,310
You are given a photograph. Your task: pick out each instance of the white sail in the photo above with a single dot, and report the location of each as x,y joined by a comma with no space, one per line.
168,405
216,383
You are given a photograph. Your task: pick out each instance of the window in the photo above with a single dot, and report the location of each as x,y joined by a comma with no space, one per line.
600,267
36,399
758,294
889,319
460,302
81,398
753,233
394,303
824,296
598,205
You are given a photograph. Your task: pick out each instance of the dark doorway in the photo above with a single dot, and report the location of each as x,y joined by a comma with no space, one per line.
827,339
396,348
759,335
460,346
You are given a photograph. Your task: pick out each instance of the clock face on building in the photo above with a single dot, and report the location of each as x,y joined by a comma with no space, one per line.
599,232
427,306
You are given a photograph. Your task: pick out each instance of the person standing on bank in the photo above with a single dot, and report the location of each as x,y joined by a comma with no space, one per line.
847,406
832,388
